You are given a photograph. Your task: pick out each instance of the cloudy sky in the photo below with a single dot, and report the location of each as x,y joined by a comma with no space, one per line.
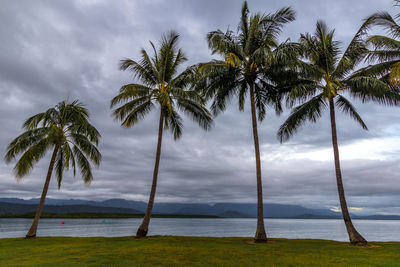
55,50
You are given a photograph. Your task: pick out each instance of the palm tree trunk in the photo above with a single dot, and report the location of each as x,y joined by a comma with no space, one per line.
354,236
144,227
260,236
32,231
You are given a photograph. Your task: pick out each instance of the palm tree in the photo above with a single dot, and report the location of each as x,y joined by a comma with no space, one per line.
253,63
332,75
67,131
160,86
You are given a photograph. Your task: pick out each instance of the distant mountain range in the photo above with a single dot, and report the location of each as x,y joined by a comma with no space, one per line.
14,208
225,210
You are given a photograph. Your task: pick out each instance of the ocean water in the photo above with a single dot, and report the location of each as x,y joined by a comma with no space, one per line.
372,230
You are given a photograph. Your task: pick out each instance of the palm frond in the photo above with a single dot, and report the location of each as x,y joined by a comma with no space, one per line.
242,95
136,114
309,111
385,20
259,98
197,112
173,122
243,26
24,142
46,118
167,56
272,24
31,156
83,164
384,42
86,147
130,92
121,112
185,79
223,82
376,70
372,89
343,104
139,71
59,167
300,91
355,52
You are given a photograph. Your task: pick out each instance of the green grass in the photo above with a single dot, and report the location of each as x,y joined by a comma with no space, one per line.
193,251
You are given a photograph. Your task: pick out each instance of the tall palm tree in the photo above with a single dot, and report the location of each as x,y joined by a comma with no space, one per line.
67,131
386,49
332,75
160,87
253,63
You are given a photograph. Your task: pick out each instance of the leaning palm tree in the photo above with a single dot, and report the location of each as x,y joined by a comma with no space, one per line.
332,75
160,87
253,63
67,131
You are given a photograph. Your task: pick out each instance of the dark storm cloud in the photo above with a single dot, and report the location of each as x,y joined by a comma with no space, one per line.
56,50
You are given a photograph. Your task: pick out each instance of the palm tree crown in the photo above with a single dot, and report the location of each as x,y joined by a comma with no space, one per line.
161,84
330,75
386,49
66,129
252,58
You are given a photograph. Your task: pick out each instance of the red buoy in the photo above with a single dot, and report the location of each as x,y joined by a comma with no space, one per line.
62,222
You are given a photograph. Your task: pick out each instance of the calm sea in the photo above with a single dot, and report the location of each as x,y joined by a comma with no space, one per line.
373,230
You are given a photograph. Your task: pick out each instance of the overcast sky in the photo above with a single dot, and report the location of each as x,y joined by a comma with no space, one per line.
55,50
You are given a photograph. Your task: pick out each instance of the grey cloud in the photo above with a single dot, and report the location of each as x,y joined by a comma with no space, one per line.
53,50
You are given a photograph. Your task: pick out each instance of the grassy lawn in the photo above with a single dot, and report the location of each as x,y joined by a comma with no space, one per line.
206,251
